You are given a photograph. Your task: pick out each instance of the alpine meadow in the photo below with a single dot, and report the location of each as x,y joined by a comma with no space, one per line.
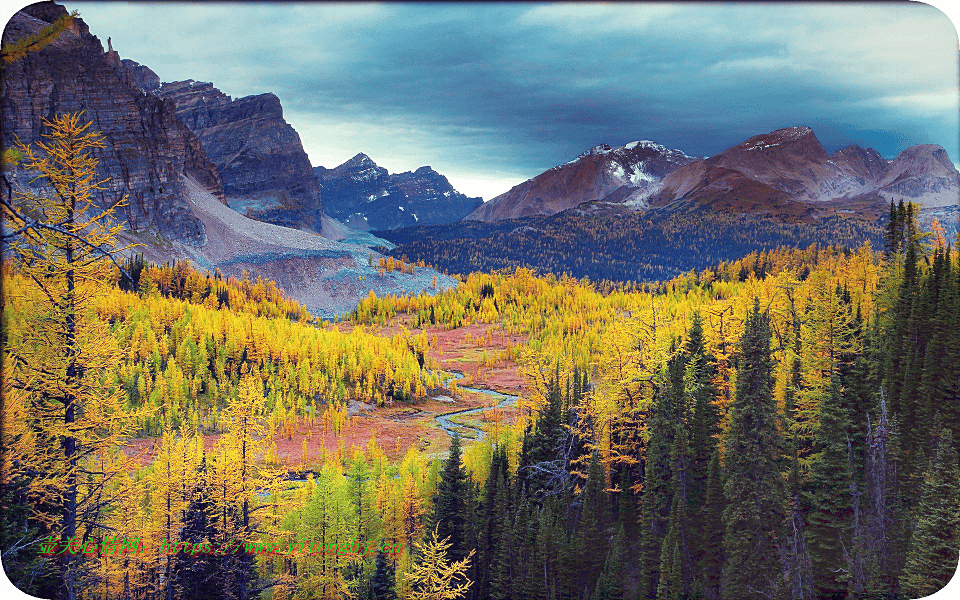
517,356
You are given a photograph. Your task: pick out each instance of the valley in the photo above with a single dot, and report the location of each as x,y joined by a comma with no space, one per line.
640,374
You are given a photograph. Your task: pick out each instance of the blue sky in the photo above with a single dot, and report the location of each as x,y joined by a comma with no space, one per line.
493,94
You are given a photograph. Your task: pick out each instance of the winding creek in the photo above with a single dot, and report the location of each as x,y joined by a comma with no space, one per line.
469,431
445,421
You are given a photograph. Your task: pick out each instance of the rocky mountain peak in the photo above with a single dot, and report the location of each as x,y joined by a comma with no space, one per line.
780,139
360,160
598,150
600,173
266,173
141,76
149,150
367,196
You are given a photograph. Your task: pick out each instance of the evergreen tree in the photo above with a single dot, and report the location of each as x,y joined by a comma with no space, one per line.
666,423
450,503
383,582
590,541
827,497
711,562
610,583
933,552
671,586
754,487
195,577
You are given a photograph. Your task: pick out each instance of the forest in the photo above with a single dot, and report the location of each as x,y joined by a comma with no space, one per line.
777,423
605,242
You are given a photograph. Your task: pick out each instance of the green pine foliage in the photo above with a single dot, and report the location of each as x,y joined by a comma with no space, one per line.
935,545
450,503
754,487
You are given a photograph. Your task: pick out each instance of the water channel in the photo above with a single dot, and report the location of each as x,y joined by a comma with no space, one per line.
469,431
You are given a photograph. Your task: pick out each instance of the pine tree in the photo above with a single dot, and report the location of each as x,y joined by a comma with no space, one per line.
712,561
933,552
659,485
383,582
754,487
590,539
610,583
449,516
827,495
671,586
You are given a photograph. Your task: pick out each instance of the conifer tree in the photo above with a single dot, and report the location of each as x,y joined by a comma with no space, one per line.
610,582
62,414
435,576
590,540
827,496
666,423
449,517
383,582
932,556
711,563
754,486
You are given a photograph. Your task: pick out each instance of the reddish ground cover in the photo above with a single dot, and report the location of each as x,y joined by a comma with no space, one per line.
399,426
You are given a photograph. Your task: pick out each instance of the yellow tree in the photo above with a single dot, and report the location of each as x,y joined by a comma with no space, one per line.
434,577
59,379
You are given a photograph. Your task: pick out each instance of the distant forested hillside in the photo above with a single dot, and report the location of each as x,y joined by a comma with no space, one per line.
617,244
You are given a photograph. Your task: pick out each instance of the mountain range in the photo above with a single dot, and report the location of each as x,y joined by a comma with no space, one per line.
173,149
785,173
367,197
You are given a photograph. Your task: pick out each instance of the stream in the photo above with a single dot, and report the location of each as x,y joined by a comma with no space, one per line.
469,431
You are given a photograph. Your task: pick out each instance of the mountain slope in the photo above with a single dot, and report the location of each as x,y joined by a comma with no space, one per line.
788,171
594,175
329,278
367,197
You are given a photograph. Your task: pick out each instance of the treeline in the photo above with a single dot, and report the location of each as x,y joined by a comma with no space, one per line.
617,244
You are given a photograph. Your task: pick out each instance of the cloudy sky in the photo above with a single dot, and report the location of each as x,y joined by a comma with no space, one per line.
493,94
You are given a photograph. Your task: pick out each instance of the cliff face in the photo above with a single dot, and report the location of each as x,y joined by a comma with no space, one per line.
265,172
366,197
148,150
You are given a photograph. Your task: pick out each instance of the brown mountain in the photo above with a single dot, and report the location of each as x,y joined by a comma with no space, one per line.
787,172
923,174
148,151
594,175
266,174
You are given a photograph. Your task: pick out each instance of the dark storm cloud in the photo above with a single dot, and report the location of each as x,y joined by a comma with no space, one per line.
501,91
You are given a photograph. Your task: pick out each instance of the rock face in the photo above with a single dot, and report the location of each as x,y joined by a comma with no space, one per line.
148,150
599,173
366,197
266,174
788,172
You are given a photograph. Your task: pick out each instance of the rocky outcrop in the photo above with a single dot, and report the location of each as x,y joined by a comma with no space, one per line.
328,277
141,76
148,150
366,197
616,174
265,172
